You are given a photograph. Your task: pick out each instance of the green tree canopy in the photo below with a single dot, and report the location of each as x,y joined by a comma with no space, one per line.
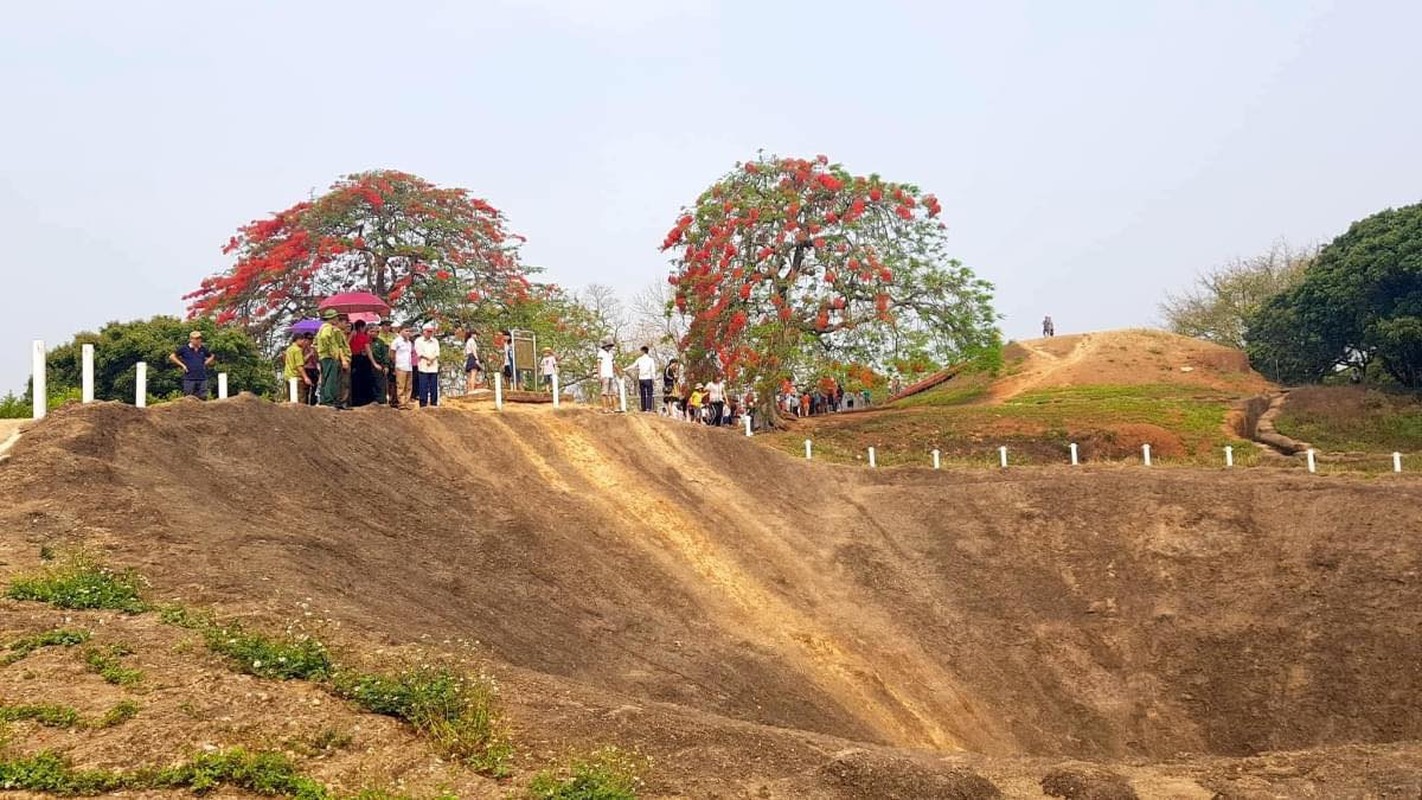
1223,300
119,346
1359,303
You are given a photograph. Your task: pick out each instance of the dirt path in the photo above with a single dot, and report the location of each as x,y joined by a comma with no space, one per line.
10,434
1046,360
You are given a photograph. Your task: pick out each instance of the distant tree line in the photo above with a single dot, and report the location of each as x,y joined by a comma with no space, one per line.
1354,307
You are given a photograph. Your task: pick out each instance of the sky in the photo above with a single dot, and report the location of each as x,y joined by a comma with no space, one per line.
1090,156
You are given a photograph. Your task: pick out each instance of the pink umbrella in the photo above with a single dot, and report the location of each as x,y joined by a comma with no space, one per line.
367,317
353,302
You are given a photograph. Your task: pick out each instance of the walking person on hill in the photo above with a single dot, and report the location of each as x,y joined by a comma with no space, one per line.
607,376
548,367
427,368
334,354
669,376
646,368
194,358
716,400
1049,328
402,358
473,368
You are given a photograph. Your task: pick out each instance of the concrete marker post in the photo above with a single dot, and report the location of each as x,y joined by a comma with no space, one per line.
748,424
557,401
221,386
622,394
140,385
1145,454
498,391
291,389
808,447
936,463
38,389
88,374
1002,456
1312,461
872,462
1229,457
1396,462
1074,460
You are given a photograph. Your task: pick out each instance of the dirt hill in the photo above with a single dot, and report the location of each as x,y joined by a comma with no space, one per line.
761,626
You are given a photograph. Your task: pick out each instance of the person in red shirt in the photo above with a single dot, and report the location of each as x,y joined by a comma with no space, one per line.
363,367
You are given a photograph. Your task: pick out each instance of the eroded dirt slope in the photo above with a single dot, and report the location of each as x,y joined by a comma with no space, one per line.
1105,614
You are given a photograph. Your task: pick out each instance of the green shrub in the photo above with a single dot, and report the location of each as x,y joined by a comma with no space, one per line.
119,714
51,773
105,661
608,774
59,637
458,713
257,654
260,773
46,714
78,582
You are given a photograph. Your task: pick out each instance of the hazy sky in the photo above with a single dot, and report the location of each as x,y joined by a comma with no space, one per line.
1089,155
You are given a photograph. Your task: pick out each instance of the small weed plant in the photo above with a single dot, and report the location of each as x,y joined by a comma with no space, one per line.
106,661
608,774
59,637
46,714
268,774
281,658
79,582
118,715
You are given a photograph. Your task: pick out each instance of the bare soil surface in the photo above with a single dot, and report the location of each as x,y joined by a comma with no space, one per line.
760,626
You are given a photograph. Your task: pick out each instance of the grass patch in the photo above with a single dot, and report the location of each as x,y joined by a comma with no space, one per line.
1353,419
106,661
268,774
118,715
46,714
458,713
280,658
80,583
59,637
608,774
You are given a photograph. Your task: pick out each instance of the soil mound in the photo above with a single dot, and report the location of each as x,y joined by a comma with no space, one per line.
743,614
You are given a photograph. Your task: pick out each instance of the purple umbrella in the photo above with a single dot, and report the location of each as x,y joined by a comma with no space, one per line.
306,326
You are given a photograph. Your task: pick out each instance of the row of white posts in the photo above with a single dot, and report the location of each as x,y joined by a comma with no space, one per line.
1311,455
39,389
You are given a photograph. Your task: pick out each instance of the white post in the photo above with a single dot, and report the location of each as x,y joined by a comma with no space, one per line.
622,394
88,375
221,386
1002,456
936,462
1312,461
1145,454
38,390
140,385
557,401
1074,460
498,391
291,389
1396,462
808,446
872,463
747,418
1229,456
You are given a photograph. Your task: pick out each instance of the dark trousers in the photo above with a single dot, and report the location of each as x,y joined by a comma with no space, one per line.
645,393
427,387
330,381
195,387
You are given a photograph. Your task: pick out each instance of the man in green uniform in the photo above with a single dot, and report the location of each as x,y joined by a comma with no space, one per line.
380,354
334,352
294,363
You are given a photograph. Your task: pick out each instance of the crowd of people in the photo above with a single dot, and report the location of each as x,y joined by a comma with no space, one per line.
347,364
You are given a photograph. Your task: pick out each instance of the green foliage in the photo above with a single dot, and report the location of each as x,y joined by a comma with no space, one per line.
13,406
269,774
280,658
119,714
59,637
106,662
460,714
46,714
1220,305
78,582
1354,419
50,773
608,774
1359,302
118,346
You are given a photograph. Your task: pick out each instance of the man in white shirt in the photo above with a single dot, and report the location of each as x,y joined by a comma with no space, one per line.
403,351
646,368
607,376
716,397
427,370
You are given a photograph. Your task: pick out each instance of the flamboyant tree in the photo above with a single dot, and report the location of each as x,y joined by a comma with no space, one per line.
786,266
428,251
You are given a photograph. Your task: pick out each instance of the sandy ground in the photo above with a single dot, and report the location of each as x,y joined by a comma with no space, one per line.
770,628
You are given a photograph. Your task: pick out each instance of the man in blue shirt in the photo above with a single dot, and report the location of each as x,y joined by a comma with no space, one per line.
194,358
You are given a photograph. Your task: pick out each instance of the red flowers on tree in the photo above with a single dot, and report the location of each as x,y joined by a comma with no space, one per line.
429,251
785,266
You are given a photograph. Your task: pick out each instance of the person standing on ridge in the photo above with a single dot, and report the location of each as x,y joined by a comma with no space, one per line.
669,377
548,367
1049,329
194,358
334,353
473,369
646,369
606,376
294,366
716,401
427,370
402,358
